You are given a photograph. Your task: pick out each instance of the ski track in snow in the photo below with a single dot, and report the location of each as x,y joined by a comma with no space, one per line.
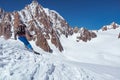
98,59
24,65
16,63
91,61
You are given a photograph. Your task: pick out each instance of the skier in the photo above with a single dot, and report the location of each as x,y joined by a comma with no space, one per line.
20,31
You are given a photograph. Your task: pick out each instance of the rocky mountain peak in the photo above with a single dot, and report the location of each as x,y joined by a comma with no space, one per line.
113,25
1,10
34,4
76,29
43,25
1,14
85,35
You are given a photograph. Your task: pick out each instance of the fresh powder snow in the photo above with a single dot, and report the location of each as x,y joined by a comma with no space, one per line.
98,59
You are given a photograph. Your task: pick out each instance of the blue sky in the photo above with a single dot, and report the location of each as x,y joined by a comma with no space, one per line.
92,14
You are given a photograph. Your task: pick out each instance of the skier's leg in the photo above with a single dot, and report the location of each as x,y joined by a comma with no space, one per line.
29,47
24,40
26,43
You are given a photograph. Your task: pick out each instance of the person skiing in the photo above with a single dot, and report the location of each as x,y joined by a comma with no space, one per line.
20,31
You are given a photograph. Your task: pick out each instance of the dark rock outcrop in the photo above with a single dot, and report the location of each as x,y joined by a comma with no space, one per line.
55,40
5,30
39,23
113,25
86,35
43,25
2,13
104,28
75,30
119,36
42,42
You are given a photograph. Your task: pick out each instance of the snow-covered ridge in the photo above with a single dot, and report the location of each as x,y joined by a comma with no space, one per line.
113,25
47,10
37,19
57,14
98,59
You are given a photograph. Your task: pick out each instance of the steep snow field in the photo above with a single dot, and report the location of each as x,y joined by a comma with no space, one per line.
98,59
103,50
101,54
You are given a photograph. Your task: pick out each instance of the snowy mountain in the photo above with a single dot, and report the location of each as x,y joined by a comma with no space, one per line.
76,53
43,24
98,59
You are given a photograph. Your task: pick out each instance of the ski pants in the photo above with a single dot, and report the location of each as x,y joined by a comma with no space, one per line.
26,43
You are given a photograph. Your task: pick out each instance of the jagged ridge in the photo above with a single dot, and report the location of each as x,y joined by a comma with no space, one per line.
44,25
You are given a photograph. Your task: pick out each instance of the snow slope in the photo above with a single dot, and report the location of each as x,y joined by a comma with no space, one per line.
103,50
98,59
101,55
16,63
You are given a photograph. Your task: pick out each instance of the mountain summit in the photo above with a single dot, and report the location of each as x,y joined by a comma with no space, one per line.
87,54
46,26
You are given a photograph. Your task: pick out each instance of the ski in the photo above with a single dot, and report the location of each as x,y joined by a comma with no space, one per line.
36,52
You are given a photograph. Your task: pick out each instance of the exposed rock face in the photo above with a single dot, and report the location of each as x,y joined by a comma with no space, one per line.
42,42
1,29
55,40
70,32
86,35
119,35
16,20
43,25
7,17
113,25
75,30
104,28
2,13
5,30
40,23
5,27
